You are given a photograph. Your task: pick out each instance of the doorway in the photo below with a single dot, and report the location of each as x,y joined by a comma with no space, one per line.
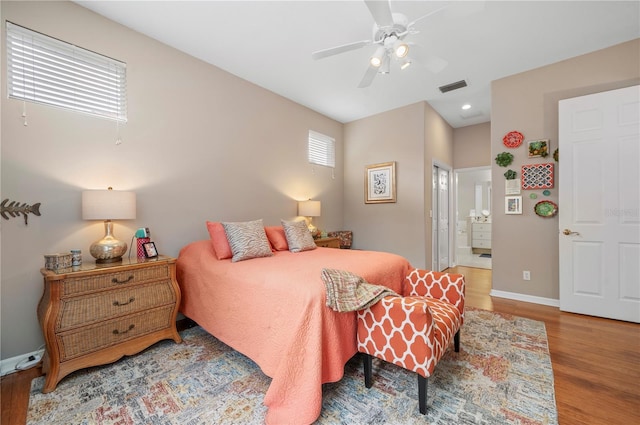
472,241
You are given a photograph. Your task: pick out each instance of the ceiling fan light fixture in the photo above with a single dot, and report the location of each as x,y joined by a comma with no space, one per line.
377,58
406,63
400,49
386,65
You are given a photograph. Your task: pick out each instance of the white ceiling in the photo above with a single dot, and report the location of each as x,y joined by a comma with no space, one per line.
270,43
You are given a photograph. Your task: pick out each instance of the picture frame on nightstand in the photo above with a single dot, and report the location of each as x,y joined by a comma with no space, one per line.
150,250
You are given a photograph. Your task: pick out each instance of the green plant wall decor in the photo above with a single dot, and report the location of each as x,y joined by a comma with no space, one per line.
504,158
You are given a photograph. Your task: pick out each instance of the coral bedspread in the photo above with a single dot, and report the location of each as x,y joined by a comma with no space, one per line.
273,310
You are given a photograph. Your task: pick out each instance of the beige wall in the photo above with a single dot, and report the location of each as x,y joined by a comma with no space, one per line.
413,136
398,227
200,144
472,146
438,151
528,102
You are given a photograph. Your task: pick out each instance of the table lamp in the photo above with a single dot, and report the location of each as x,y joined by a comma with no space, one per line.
108,205
310,209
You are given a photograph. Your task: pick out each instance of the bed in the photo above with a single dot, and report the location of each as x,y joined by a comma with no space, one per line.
273,310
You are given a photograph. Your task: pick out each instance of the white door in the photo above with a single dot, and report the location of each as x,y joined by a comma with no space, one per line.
599,204
440,218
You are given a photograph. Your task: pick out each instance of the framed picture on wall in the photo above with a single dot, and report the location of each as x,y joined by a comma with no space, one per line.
538,148
513,204
380,183
512,187
537,176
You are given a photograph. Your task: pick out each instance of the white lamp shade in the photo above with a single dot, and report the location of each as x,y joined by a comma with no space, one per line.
108,205
309,208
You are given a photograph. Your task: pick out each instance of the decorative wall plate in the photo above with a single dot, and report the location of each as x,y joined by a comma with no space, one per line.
513,139
546,209
537,176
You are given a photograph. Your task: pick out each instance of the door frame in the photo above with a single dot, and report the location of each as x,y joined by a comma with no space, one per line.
455,203
435,213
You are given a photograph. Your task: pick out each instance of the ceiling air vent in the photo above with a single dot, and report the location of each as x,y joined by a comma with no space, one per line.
453,86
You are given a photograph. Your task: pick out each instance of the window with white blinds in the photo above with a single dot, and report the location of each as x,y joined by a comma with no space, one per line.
45,70
322,149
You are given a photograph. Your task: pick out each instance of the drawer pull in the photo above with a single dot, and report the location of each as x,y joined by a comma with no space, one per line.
117,332
120,282
119,304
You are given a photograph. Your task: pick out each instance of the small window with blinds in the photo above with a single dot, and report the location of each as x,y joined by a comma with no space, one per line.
45,70
322,149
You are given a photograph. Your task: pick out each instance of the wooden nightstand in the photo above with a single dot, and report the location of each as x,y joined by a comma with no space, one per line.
99,313
328,242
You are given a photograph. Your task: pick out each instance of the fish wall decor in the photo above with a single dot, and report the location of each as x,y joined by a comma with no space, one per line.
14,209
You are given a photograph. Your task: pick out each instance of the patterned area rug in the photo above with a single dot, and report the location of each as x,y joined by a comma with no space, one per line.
502,375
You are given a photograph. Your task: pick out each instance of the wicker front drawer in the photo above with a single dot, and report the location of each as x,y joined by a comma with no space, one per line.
106,334
95,282
80,311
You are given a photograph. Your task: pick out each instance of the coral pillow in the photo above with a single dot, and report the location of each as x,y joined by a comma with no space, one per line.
277,238
219,240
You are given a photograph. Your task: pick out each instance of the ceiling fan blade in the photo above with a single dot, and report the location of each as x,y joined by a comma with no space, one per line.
432,63
339,49
368,77
463,9
381,12
433,12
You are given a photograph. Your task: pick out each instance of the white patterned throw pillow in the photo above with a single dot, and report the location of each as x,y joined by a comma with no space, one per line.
298,236
247,240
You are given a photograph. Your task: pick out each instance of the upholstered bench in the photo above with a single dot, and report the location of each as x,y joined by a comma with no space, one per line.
413,331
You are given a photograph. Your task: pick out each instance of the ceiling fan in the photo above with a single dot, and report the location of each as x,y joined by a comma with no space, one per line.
389,32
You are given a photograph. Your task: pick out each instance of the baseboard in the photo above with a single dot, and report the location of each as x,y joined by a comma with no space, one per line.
11,365
526,298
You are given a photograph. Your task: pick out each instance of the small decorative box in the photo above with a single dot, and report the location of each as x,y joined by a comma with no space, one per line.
57,261
141,242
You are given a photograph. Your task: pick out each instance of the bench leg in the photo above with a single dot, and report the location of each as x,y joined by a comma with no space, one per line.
456,341
422,394
367,359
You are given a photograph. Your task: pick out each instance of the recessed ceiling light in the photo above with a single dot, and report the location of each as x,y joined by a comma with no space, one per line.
466,106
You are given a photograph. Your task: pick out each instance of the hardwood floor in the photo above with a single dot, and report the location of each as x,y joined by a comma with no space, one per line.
596,362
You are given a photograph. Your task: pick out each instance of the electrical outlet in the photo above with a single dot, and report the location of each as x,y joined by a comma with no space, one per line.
526,275
30,361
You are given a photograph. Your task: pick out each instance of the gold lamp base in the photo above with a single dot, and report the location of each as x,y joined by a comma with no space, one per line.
108,249
312,229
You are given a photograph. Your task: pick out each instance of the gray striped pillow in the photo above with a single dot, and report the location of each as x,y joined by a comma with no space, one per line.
298,236
247,240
